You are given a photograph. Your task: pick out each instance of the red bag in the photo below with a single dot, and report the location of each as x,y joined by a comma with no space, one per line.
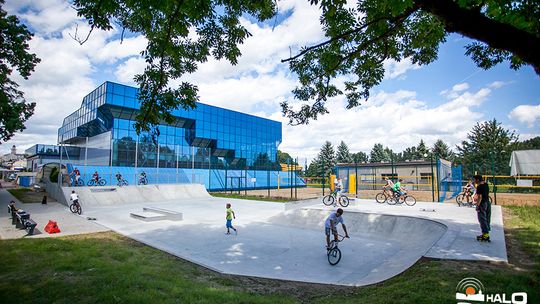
52,227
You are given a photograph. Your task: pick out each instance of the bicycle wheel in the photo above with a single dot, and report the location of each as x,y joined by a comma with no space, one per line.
102,182
91,182
125,183
79,209
380,198
328,200
344,201
459,199
392,200
334,256
410,200
73,208
80,182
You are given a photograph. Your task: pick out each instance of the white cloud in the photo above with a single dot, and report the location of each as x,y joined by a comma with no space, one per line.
395,119
395,68
527,114
460,87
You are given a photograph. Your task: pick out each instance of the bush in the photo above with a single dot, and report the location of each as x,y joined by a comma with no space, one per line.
53,177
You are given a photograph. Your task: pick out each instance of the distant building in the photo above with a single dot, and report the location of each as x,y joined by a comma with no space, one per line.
7,160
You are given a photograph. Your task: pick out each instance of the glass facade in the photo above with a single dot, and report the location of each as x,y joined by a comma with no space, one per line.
205,137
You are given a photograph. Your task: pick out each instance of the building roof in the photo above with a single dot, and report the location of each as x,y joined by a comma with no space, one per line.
525,162
387,164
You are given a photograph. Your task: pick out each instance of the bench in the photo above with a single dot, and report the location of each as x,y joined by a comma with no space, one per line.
21,217
30,225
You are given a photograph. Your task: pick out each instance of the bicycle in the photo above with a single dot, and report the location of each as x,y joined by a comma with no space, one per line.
142,181
122,182
400,199
333,253
100,182
382,196
461,196
75,207
331,198
77,183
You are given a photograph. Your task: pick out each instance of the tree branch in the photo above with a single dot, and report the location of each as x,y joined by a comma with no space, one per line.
475,25
347,33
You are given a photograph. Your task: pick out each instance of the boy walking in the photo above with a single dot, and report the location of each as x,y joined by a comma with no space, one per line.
230,216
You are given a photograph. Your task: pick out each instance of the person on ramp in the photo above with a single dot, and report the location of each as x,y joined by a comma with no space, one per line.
330,226
483,208
229,217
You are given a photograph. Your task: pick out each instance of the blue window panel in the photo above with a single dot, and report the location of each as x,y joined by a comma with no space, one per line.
118,89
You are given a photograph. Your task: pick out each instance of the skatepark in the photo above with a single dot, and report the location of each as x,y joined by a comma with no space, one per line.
286,240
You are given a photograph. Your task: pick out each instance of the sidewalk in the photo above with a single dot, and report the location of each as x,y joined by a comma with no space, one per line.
68,222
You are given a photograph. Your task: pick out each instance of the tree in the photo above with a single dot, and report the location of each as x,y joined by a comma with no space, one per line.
378,154
326,159
285,158
360,157
421,150
488,144
442,150
14,109
343,155
361,39
180,34
409,153
533,143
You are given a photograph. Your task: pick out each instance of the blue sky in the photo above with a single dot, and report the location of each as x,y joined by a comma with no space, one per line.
442,100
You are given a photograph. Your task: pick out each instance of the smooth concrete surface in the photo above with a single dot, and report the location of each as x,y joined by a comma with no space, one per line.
286,240
68,222
459,242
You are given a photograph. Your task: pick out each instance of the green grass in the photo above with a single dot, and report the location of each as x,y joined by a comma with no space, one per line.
526,228
109,268
26,195
252,197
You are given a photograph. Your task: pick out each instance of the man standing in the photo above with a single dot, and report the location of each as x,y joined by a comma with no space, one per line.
483,207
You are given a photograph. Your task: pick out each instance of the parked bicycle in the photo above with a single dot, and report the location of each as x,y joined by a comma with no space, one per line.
331,198
100,182
333,253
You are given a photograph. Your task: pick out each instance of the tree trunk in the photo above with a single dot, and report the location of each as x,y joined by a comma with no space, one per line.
476,25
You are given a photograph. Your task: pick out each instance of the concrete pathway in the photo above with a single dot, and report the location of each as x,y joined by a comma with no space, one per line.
68,223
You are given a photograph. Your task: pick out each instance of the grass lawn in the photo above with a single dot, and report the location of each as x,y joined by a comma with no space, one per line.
26,195
109,268
252,197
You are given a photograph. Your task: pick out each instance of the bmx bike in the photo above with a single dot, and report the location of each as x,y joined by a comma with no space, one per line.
122,183
331,198
93,182
75,207
333,253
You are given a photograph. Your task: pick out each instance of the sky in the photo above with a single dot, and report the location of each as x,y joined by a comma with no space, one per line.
443,100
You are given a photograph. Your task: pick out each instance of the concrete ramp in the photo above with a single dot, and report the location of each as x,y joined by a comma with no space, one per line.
411,236
105,196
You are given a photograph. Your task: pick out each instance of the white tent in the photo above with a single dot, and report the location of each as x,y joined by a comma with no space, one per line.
525,162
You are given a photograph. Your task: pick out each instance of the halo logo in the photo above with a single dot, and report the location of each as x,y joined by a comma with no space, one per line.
472,290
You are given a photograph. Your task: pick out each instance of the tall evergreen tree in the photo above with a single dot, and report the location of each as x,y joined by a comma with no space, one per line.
488,145
409,154
442,150
359,157
326,159
343,154
421,150
378,154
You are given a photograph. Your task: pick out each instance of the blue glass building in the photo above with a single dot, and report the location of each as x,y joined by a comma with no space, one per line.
222,147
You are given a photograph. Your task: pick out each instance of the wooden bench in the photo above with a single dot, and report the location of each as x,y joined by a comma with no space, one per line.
21,217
